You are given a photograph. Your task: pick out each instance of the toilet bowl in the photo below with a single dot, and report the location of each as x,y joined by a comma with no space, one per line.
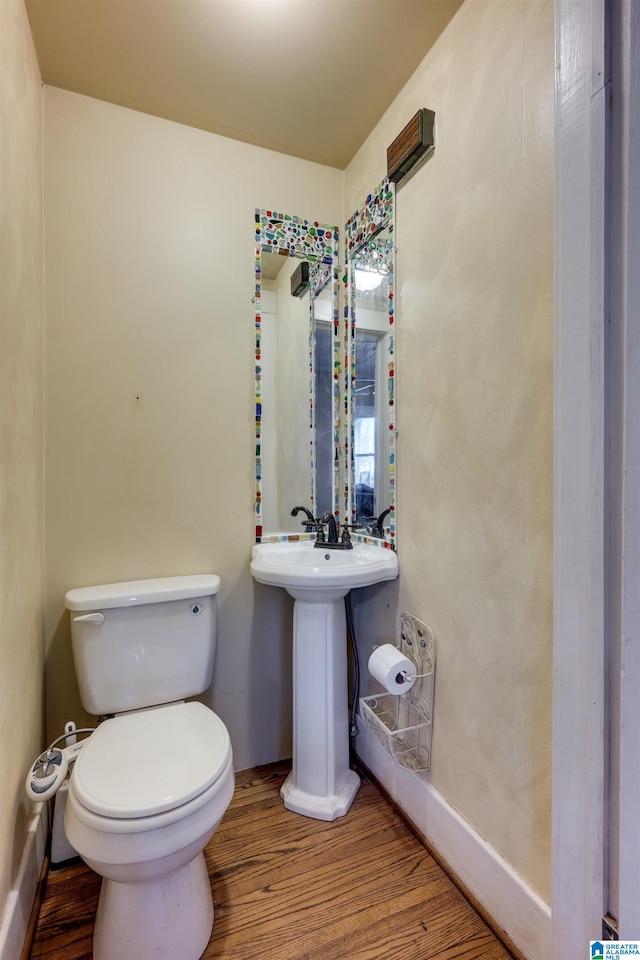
153,781
146,794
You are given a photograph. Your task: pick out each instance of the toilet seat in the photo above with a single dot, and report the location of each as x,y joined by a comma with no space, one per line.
218,796
152,763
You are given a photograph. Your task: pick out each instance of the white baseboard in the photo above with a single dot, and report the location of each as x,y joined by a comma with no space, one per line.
15,921
509,901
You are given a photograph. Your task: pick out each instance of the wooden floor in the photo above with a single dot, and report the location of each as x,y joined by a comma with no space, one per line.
289,888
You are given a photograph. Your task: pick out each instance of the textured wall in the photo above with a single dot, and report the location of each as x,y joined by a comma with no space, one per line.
150,366
21,429
474,233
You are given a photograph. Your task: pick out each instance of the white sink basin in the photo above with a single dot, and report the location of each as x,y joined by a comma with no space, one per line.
319,574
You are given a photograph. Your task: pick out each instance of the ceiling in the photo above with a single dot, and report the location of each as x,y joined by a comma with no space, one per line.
309,78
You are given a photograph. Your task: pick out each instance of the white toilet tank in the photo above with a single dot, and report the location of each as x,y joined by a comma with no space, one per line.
143,642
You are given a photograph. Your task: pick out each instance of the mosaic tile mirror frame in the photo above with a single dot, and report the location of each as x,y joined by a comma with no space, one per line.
296,239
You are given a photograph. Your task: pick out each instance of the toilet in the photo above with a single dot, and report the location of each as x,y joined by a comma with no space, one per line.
153,781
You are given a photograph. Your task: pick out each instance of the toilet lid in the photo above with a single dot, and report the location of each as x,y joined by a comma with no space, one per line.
144,763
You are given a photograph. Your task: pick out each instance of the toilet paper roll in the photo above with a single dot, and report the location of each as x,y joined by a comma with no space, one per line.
390,668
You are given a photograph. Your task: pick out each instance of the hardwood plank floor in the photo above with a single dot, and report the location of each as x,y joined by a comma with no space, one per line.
289,888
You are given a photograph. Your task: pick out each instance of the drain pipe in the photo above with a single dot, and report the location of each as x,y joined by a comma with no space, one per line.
351,634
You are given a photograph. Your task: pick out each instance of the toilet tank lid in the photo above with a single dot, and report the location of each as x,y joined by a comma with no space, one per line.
135,593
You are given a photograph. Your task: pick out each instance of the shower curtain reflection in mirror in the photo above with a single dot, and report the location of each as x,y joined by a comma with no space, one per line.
286,469
323,400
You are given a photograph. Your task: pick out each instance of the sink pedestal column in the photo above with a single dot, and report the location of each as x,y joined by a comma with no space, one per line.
320,784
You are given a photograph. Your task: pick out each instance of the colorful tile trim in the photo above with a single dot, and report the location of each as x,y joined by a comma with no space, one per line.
285,537
306,239
375,213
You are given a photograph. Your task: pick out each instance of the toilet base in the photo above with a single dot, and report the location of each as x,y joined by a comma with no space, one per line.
169,917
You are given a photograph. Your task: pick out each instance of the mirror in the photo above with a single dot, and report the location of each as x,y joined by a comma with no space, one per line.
326,478
297,391
325,395
371,267
370,278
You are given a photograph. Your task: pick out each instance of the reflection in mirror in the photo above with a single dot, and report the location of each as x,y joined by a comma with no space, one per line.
296,407
371,437
322,373
286,472
370,274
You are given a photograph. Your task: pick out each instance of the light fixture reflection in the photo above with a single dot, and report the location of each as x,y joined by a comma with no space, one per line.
368,279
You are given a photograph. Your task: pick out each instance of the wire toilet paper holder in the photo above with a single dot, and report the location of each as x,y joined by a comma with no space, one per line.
403,722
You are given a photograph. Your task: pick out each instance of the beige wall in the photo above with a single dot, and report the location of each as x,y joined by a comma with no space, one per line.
474,233
149,388
21,430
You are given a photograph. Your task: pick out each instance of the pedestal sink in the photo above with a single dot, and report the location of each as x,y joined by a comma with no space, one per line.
320,784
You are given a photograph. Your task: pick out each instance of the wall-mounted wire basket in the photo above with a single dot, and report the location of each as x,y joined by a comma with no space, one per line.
400,728
403,724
